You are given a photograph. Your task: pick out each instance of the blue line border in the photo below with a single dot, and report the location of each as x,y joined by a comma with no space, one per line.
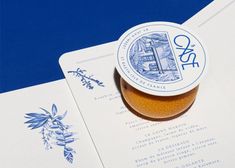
169,26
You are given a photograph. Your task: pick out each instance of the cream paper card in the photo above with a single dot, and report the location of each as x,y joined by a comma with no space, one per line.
202,137
42,128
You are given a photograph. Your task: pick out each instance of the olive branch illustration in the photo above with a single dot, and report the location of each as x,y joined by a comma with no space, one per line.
54,131
87,80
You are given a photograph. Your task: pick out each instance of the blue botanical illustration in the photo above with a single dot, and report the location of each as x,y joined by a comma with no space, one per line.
54,131
151,56
87,80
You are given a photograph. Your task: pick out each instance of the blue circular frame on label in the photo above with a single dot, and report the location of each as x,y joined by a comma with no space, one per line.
152,58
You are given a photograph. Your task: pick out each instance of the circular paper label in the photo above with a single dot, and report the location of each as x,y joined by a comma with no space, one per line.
161,58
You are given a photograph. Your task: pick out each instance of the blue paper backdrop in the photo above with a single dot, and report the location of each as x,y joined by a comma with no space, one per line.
34,33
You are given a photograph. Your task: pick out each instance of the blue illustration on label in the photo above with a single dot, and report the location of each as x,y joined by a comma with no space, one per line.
53,130
87,80
152,57
161,58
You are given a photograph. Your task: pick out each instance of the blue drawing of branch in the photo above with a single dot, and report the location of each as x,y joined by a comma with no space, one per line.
53,130
87,80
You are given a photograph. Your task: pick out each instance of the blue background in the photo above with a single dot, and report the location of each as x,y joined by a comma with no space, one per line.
34,33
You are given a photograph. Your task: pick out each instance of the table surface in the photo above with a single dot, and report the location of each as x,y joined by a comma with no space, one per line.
34,34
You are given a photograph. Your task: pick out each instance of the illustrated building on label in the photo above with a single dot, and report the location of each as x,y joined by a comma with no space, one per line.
151,56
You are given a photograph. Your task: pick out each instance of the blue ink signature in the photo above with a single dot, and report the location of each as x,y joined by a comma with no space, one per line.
87,80
188,56
53,131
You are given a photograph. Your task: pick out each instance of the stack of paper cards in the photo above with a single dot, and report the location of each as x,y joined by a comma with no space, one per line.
83,121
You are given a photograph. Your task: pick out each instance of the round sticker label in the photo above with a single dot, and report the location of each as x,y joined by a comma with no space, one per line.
161,58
